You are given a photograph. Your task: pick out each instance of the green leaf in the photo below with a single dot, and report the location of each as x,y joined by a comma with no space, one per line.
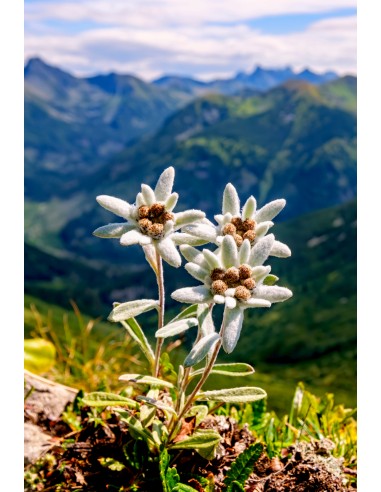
182,487
233,395
136,428
270,279
136,333
127,310
204,441
201,349
233,369
236,487
176,328
199,411
242,468
169,476
142,379
158,404
39,355
101,399
188,312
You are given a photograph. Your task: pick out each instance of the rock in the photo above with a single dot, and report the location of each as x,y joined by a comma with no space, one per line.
45,401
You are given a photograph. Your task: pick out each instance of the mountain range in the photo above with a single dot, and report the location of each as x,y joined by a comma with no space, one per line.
272,133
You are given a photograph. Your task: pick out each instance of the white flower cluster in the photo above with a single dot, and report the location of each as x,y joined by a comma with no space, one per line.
151,219
234,274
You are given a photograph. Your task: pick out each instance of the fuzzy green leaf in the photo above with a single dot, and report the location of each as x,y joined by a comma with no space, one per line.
136,333
142,379
127,310
233,395
204,441
242,467
201,349
101,399
188,312
176,328
233,369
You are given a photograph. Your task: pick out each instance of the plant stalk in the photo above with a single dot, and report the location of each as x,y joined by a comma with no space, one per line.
160,321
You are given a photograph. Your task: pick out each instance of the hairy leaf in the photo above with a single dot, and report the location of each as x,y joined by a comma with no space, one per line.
233,395
200,350
204,441
127,310
188,312
270,279
142,379
101,399
136,333
176,327
233,369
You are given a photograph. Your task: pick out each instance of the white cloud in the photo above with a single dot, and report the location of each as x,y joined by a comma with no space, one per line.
146,13
159,40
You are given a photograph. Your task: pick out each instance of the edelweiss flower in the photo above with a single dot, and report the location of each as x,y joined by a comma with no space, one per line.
234,277
151,220
250,223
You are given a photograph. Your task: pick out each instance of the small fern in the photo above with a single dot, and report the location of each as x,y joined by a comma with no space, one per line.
242,468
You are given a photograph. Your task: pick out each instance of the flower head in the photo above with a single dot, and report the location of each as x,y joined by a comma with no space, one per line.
234,277
151,220
248,223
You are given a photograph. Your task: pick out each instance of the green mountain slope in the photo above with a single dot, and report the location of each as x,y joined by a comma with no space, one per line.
290,142
72,124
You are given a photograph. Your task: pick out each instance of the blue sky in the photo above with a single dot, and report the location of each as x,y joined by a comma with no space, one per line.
207,39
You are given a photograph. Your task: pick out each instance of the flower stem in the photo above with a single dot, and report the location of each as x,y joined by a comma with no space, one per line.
160,323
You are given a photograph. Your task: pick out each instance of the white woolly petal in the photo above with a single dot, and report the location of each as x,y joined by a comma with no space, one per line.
148,195
187,239
113,230
230,302
206,222
212,260
232,322
230,201
168,252
280,250
269,211
192,254
229,252
115,205
223,219
218,299
229,292
168,227
259,273
202,231
261,250
192,295
196,271
244,252
134,237
272,293
262,228
171,202
139,200
188,217
255,303
165,184
249,208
